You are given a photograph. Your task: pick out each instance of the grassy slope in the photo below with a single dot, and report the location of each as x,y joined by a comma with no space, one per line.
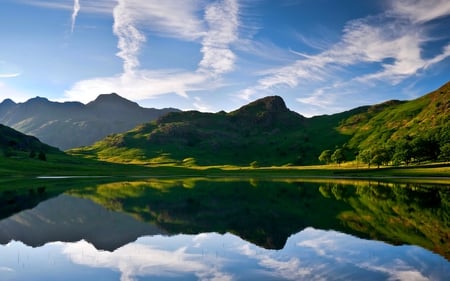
394,120
58,163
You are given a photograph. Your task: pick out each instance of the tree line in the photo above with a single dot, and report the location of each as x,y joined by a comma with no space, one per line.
403,151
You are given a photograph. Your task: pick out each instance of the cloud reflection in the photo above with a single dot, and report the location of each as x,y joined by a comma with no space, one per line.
138,259
309,255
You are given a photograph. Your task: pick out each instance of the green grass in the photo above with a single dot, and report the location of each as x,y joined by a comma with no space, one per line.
67,165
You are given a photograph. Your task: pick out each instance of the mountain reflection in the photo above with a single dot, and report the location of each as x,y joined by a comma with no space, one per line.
308,255
266,213
263,212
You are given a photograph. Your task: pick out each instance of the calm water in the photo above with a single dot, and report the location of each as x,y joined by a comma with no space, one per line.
224,229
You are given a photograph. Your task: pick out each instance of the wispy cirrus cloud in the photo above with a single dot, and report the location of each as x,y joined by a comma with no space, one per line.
389,45
76,9
419,11
98,6
9,75
130,39
9,70
215,26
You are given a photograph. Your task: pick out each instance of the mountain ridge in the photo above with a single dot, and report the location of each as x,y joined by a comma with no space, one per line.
74,124
265,132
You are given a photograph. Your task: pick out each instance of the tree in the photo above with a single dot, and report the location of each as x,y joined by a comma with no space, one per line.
338,156
325,156
445,152
366,156
42,156
403,152
380,155
425,148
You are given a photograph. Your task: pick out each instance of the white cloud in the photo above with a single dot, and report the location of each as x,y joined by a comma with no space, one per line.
130,39
6,269
9,70
140,85
217,31
9,75
390,46
222,19
76,9
97,6
169,18
134,260
421,10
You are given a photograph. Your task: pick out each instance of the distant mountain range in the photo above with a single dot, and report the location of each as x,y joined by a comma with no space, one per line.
265,132
73,124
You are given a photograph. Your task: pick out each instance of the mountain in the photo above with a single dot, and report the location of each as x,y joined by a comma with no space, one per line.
73,124
265,132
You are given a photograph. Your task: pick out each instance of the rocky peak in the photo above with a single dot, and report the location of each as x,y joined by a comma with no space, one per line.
112,99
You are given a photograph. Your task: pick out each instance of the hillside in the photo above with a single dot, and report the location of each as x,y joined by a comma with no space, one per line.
14,143
265,132
73,124
416,130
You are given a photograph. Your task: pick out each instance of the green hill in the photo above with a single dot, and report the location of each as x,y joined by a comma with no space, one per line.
416,130
15,144
265,132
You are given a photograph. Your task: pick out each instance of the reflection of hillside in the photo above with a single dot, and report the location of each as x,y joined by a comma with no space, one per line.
397,213
265,213
268,212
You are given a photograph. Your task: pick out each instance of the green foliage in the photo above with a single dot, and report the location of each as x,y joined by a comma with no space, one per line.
338,156
445,152
42,156
325,156
378,156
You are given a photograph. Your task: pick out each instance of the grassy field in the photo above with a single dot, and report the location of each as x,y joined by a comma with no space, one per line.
64,165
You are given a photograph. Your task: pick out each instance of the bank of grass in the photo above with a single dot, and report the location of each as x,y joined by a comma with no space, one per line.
61,164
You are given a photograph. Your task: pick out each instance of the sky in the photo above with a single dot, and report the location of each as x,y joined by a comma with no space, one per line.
320,56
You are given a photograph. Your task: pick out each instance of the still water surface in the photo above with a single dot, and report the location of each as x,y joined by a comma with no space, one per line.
224,229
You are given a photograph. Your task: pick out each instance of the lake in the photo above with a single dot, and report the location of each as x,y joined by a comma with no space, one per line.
223,229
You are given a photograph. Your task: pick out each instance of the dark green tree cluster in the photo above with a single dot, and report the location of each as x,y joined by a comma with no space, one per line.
407,150
430,146
337,156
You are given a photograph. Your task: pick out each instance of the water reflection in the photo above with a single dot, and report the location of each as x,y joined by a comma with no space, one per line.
70,219
308,255
225,229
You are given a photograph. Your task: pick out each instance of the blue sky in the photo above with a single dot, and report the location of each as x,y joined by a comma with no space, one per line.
321,56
